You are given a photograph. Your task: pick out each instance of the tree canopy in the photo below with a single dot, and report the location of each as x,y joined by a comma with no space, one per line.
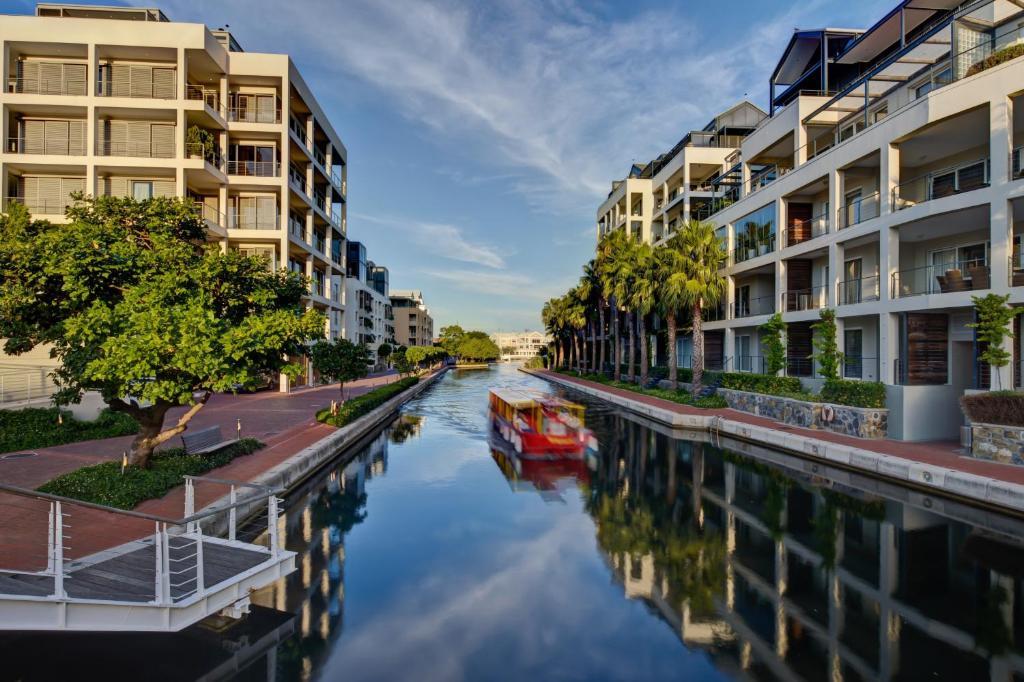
340,361
136,305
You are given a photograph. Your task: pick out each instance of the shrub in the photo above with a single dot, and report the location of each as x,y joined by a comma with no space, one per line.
1005,408
826,345
38,428
354,408
854,393
105,484
762,383
536,362
773,333
996,58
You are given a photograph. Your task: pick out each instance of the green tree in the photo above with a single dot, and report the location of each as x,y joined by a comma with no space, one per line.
615,246
451,337
136,305
575,320
671,278
385,351
642,297
773,334
341,361
993,317
508,350
702,258
622,268
477,348
401,363
592,297
826,345
553,317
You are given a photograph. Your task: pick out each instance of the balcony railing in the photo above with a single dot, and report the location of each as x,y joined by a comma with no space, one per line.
799,367
336,179
859,210
252,219
766,176
811,298
59,147
859,367
209,153
40,86
248,115
210,214
714,314
805,230
752,247
320,242
298,129
753,364
143,149
320,200
209,96
297,228
319,157
762,305
261,169
38,206
952,180
861,290
297,177
970,275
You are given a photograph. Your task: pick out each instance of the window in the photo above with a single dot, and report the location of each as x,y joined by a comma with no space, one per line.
744,362
852,285
880,113
743,301
852,209
853,351
142,190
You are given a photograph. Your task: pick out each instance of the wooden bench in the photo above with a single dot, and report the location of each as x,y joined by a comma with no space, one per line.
204,440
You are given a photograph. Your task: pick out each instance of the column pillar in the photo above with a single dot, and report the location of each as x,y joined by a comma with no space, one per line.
835,200
888,347
836,274
1000,220
307,232
889,176
222,206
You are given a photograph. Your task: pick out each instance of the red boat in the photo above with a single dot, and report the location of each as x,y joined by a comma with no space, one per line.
546,477
540,426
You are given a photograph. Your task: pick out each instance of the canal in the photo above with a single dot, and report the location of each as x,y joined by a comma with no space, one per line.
430,555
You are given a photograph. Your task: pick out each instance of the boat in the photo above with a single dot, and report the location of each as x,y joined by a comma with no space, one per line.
539,426
548,478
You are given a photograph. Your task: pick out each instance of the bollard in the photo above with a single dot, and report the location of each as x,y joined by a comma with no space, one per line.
238,428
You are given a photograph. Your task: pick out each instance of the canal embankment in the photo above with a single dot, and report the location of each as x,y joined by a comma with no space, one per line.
921,466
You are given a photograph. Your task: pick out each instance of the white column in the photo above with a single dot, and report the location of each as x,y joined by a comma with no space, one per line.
835,200
836,272
182,73
888,347
889,176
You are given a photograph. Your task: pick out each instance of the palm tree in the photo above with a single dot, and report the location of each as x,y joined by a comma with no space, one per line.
672,283
610,250
643,291
590,289
575,318
551,315
702,259
622,263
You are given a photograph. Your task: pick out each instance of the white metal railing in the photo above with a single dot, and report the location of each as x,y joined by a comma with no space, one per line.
60,147
253,219
25,384
263,169
42,86
250,115
146,149
37,206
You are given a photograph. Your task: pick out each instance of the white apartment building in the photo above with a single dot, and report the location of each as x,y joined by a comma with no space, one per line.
369,318
524,344
886,184
123,101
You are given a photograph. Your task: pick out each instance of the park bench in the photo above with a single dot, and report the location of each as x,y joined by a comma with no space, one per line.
204,440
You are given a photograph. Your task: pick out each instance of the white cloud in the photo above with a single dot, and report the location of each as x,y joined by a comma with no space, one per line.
442,240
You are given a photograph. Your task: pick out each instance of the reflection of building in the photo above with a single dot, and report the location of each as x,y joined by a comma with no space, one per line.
413,324
121,101
368,317
885,185
523,345
784,575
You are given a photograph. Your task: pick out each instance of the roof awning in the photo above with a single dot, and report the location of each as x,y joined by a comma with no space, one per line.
886,32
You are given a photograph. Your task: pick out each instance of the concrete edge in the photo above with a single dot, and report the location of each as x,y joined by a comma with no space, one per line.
295,470
992,491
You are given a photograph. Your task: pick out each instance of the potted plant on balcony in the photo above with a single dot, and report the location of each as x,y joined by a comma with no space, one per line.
200,143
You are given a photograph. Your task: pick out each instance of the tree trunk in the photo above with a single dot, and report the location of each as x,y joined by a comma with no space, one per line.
673,371
604,338
341,387
576,349
698,347
151,433
644,361
631,353
616,349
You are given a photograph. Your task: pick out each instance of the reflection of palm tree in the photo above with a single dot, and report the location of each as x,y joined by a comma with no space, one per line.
404,427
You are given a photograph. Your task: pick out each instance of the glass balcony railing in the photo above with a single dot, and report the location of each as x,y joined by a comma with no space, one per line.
749,247
260,169
209,153
250,115
762,305
210,214
969,275
859,367
801,231
946,182
810,298
252,219
298,129
860,290
859,210
37,206
297,177
765,177
1017,163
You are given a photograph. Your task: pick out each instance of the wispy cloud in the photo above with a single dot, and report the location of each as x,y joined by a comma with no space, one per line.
442,240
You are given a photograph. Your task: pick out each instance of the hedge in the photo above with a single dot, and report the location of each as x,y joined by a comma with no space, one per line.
678,396
1005,408
854,393
761,383
996,58
105,484
37,427
354,408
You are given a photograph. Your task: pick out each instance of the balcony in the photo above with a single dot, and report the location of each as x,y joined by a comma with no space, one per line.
248,218
259,169
812,298
859,210
38,206
50,78
298,129
941,183
319,242
59,146
752,364
800,231
210,214
967,275
208,153
147,149
750,246
137,81
766,176
860,290
297,177
762,305
209,96
248,115
297,227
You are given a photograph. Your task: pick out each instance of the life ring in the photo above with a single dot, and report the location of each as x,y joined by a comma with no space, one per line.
828,413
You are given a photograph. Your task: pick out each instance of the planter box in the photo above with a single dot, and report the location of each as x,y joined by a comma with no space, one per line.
998,443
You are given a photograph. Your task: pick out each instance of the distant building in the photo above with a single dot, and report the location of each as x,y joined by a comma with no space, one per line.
413,324
368,317
524,344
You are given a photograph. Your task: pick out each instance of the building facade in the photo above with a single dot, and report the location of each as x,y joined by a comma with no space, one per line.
125,102
368,317
413,324
886,185
522,345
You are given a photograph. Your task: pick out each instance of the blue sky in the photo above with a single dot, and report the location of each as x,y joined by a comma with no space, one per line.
483,135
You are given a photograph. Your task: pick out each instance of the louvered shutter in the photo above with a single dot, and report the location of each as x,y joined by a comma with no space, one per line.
28,77
164,83
138,138
29,190
266,213
265,110
163,140
34,132
163,188
49,198
51,77
246,219
69,186
116,187
120,80
141,81
56,137
76,79
76,138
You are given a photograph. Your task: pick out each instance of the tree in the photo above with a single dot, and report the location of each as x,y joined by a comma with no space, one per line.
622,264
671,286
384,351
773,334
552,315
642,297
614,246
826,345
702,257
135,305
401,363
451,337
993,317
478,348
508,350
591,294
575,321
340,361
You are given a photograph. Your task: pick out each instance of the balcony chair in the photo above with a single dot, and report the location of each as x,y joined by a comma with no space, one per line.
955,281
943,286
979,277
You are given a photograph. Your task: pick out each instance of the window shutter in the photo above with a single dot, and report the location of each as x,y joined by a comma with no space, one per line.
76,79
76,138
266,213
51,77
141,81
49,198
163,141
265,110
28,77
139,139
116,187
69,186
120,80
56,137
34,136
164,83
163,188
29,188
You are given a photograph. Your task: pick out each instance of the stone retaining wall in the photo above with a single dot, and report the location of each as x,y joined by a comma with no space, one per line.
998,443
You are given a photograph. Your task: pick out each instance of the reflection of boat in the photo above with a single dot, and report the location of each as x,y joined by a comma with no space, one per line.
544,476
539,426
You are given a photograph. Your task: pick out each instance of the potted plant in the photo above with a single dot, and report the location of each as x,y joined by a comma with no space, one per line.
200,143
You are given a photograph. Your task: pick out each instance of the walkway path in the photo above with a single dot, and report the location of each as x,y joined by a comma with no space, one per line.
946,454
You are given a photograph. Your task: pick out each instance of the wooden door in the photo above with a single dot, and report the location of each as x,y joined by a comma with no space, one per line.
798,222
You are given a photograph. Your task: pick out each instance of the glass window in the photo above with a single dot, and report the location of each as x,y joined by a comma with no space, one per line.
142,190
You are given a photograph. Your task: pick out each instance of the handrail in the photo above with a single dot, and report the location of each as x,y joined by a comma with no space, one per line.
900,201
819,225
859,210
260,169
250,115
794,299
18,145
41,86
847,286
933,285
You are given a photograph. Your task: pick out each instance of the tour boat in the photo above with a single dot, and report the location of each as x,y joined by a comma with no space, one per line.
548,478
540,426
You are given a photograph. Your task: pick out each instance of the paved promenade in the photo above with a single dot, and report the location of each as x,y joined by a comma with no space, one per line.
946,454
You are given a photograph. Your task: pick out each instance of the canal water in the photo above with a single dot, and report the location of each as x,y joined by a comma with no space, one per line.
432,555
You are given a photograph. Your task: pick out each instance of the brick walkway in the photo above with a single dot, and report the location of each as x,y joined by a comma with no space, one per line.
946,454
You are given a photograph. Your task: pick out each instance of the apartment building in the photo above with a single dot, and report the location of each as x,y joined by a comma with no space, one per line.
413,324
125,102
369,319
522,345
885,184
